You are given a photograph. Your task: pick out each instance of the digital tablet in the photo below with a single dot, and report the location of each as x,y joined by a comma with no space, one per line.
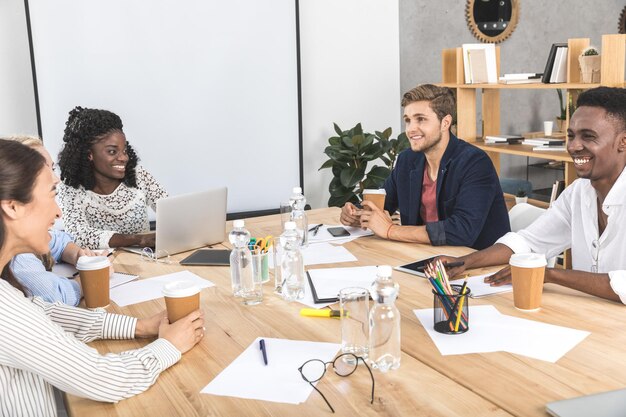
417,267
208,257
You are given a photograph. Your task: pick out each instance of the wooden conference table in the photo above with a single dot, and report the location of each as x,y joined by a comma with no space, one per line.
426,384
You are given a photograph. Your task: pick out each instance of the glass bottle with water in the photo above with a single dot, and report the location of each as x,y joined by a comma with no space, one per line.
298,215
384,351
291,264
240,258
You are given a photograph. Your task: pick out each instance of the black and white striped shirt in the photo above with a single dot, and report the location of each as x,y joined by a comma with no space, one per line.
42,345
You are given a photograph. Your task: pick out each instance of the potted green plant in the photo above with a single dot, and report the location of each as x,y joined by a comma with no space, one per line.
589,62
350,153
521,196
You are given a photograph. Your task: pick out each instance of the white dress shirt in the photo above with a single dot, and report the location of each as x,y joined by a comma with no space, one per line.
572,222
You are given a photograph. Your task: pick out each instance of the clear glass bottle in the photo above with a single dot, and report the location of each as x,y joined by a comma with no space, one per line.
240,258
384,350
298,215
291,264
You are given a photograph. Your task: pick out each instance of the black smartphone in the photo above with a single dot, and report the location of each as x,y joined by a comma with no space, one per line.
338,231
417,267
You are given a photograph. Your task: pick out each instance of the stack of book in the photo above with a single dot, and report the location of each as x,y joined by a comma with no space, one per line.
479,63
503,139
557,189
545,144
522,78
556,66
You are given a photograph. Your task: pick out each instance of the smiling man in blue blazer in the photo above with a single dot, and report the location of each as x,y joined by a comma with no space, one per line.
447,190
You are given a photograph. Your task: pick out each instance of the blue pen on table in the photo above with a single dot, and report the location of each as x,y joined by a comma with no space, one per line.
263,350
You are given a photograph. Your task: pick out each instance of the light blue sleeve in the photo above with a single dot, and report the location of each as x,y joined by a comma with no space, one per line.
59,241
32,275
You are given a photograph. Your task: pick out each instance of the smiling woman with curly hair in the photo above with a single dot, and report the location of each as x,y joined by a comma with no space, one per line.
105,194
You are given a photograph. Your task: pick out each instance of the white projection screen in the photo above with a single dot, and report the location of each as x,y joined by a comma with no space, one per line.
207,89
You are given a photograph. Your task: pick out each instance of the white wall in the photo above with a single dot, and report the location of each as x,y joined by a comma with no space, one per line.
350,64
17,100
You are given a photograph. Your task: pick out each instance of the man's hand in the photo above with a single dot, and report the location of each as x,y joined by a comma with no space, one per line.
501,277
375,219
452,272
350,215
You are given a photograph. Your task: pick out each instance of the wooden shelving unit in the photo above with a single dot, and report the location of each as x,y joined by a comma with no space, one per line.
611,74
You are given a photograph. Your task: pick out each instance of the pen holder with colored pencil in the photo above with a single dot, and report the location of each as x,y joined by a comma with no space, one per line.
451,312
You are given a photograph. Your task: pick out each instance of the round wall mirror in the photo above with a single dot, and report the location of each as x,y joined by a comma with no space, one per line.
492,21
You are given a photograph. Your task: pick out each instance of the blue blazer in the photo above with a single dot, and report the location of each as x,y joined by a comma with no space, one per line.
470,203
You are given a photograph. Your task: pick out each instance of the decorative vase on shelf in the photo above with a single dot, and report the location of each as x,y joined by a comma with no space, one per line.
589,62
519,200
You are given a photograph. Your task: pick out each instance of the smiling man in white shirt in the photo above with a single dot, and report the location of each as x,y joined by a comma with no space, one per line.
590,215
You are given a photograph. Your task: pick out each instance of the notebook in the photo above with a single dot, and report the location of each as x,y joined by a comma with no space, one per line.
189,221
604,404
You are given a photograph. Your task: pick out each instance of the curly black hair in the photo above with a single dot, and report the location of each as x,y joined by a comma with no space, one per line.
611,99
83,128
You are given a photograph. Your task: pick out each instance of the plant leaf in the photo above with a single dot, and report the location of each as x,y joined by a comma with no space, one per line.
337,129
351,176
327,164
334,141
339,201
348,141
378,174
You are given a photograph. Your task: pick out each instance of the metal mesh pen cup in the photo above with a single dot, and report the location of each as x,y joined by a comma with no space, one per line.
451,312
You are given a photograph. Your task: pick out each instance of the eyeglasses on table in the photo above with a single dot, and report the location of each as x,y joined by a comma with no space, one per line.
344,365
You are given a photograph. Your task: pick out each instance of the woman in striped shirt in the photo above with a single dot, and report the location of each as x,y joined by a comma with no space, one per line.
43,345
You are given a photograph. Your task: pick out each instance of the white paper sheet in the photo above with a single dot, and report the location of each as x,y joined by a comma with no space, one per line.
323,235
481,289
328,282
279,381
323,253
149,289
491,331
308,298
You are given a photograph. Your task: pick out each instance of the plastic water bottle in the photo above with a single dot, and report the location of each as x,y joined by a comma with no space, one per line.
291,264
240,257
384,350
298,215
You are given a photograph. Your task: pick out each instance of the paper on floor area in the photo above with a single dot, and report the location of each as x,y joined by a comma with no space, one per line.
481,289
328,282
280,381
323,235
491,331
149,289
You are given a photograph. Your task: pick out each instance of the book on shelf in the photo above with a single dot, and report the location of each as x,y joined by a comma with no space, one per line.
549,148
557,189
547,72
522,81
503,139
544,141
479,63
521,76
559,69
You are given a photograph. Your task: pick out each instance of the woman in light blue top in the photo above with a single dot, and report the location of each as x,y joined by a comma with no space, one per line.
33,272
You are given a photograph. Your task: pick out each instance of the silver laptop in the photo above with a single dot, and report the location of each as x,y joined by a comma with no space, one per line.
189,221
604,404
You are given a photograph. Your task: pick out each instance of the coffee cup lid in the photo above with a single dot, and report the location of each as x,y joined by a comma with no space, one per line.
375,191
528,260
178,289
91,263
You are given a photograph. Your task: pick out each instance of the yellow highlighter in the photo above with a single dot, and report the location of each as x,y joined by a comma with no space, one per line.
324,312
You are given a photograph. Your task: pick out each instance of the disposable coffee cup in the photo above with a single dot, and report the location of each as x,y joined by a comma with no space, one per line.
547,128
94,279
181,298
527,272
376,196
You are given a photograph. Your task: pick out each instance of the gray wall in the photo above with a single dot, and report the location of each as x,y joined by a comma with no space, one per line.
427,27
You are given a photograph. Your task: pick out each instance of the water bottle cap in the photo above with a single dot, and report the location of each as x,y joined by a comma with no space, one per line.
383,271
297,190
238,223
290,226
